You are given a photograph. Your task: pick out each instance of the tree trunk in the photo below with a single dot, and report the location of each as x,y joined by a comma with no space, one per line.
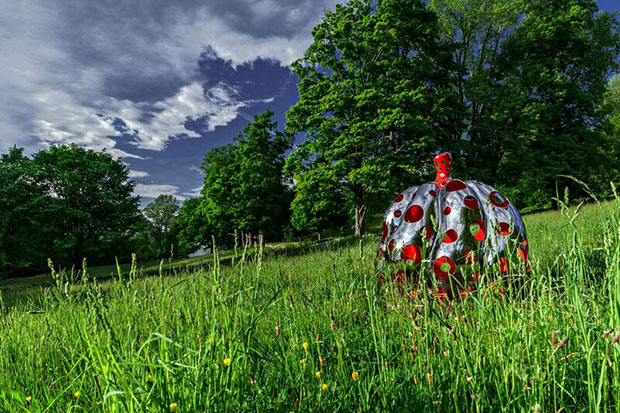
360,212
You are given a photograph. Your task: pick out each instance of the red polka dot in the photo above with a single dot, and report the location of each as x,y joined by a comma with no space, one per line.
523,250
503,229
397,213
447,210
451,236
399,276
385,231
503,265
471,202
399,198
428,232
440,269
380,254
414,214
411,252
470,256
391,246
455,185
498,199
480,234
432,193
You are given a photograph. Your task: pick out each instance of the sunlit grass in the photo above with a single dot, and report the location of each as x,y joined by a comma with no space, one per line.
312,332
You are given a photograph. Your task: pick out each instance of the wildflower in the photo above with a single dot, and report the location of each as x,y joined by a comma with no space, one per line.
302,362
227,362
28,399
305,345
173,406
76,394
355,375
105,369
324,387
318,374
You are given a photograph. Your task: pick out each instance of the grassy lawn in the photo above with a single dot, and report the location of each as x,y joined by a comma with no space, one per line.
311,331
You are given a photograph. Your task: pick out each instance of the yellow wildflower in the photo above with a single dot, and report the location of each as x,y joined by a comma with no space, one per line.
76,394
318,374
227,362
173,406
355,375
28,399
105,369
302,362
305,345
324,387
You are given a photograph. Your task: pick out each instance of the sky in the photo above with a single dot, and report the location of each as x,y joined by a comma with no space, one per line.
156,83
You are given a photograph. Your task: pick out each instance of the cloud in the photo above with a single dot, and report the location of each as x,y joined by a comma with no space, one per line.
138,174
154,190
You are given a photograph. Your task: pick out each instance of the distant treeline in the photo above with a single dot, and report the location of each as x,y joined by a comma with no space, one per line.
520,91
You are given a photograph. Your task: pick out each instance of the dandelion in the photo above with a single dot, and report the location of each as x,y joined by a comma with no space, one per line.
173,406
28,399
227,362
77,394
318,374
305,345
105,369
355,375
302,362
324,387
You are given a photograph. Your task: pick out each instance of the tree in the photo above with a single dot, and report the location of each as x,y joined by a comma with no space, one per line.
161,213
552,77
24,214
375,98
319,202
93,206
191,227
244,186
478,29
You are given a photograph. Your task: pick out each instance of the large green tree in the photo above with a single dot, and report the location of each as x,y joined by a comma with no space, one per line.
93,205
552,77
244,186
24,213
376,99
191,227
161,213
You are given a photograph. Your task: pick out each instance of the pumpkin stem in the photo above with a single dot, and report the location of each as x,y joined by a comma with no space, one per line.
443,166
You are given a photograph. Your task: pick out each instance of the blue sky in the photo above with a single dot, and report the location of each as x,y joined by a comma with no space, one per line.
155,82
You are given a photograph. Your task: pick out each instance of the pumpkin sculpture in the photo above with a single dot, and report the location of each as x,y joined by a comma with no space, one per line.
457,228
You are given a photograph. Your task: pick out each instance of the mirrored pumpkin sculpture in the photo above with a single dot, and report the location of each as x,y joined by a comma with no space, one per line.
461,231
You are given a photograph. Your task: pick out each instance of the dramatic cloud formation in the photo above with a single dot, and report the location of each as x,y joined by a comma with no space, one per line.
134,76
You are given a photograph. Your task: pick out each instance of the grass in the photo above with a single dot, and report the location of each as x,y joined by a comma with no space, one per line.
252,335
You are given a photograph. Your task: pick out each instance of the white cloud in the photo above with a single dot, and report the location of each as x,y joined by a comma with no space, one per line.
154,190
138,174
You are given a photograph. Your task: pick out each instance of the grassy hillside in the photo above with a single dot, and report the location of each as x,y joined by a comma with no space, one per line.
312,332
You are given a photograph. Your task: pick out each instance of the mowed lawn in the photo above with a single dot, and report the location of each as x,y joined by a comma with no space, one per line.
313,332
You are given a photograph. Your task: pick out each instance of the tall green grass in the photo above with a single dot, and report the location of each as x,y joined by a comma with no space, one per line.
232,338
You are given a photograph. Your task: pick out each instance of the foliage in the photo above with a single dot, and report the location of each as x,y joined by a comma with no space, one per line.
161,213
191,227
534,86
244,187
375,98
231,338
24,208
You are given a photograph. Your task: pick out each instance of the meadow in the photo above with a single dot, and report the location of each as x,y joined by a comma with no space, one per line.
312,331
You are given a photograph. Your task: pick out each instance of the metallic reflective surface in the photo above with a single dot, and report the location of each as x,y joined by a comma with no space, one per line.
455,228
